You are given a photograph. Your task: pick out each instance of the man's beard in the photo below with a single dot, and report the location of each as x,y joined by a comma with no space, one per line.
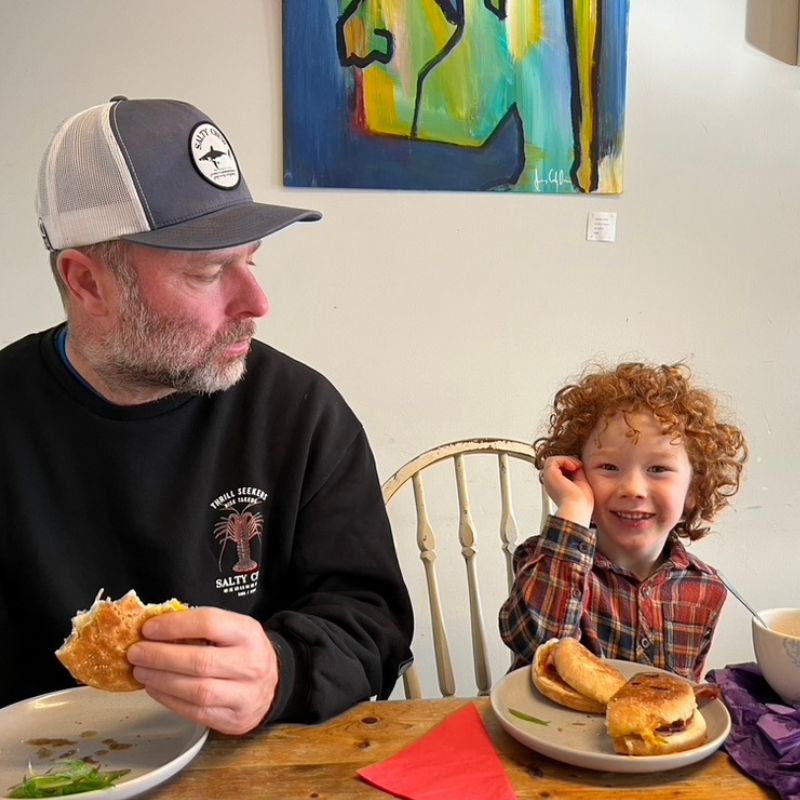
150,351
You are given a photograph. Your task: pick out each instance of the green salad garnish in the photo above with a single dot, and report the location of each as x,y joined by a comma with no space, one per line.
527,717
66,777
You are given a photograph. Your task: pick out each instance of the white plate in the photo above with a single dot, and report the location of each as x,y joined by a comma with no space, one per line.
140,735
581,739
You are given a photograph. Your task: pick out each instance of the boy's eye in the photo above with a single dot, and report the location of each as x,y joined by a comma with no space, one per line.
607,467
659,468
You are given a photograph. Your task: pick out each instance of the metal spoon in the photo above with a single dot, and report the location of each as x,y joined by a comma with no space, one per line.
730,587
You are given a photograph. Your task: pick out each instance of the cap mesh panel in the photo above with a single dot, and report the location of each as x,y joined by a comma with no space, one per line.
85,191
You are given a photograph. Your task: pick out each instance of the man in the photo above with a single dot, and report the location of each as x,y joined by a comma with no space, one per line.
152,444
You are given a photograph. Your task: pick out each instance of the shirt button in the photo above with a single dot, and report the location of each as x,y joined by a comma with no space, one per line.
646,591
645,643
576,592
583,547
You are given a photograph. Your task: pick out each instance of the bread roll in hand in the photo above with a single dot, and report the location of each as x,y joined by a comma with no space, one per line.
94,652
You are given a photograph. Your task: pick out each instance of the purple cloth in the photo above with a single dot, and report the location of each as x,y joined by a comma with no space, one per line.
765,733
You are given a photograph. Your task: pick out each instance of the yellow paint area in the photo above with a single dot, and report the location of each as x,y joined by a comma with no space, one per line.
585,12
525,26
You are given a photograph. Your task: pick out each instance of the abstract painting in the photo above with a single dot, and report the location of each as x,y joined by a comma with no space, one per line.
458,95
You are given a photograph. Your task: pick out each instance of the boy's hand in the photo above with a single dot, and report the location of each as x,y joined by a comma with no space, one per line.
565,481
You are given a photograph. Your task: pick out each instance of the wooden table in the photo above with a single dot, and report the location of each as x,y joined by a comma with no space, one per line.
319,762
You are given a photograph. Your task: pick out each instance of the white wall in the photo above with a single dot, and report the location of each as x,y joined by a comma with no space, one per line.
442,316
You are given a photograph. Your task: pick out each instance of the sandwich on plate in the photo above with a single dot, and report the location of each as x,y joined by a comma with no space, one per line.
567,673
654,714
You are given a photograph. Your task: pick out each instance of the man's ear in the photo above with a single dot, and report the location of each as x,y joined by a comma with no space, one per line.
87,280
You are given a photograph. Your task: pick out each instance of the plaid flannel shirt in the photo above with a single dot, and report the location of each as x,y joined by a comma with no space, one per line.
564,587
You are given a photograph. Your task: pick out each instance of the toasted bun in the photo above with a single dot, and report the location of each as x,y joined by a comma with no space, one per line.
653,714
587,673
94,652
584,684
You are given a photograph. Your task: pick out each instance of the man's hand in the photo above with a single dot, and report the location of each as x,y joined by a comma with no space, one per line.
565,481
216,667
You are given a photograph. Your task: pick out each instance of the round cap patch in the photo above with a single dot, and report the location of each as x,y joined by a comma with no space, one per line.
213,156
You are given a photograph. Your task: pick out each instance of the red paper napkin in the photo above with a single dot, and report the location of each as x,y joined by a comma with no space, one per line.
455,760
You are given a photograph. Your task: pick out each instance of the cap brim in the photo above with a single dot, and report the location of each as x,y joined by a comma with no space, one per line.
229,227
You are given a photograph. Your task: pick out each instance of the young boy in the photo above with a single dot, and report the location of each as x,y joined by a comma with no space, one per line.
635,460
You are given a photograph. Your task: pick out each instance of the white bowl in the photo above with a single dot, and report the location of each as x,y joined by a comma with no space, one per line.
777,650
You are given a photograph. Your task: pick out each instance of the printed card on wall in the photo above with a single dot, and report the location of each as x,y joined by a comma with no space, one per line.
472,95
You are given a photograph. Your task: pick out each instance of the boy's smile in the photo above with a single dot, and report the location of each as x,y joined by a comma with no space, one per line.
640,484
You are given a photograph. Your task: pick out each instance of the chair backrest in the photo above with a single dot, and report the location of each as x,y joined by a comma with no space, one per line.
507,529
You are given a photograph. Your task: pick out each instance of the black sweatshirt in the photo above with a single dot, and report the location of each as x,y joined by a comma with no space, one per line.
262,499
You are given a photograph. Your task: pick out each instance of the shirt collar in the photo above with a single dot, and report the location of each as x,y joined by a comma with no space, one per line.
675,557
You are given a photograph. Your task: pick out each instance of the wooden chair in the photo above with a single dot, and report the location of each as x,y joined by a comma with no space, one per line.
503,450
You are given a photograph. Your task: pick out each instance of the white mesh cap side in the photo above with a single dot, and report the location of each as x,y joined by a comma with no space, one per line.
86,194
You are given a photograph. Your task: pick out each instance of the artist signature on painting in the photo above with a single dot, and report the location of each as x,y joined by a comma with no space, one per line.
555,179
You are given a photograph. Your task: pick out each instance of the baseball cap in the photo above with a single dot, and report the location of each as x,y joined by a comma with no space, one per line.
151,171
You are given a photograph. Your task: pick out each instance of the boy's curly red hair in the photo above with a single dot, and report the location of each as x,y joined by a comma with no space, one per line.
717,450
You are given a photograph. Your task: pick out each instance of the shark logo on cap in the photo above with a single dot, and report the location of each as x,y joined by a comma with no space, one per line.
213,156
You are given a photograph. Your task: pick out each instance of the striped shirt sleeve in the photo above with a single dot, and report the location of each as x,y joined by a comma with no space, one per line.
551,572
